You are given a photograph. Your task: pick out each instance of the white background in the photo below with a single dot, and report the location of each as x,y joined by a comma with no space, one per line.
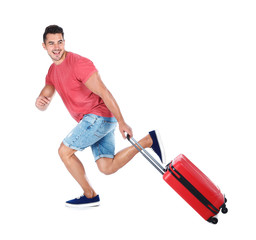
186,68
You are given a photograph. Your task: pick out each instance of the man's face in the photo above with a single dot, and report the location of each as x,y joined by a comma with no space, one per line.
55,47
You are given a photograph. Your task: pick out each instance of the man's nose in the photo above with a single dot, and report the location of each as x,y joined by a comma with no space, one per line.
56,45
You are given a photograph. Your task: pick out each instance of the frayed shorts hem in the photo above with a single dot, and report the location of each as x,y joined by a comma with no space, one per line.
103,156
72,147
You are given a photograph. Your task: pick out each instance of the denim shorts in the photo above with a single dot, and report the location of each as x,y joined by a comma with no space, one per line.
96,132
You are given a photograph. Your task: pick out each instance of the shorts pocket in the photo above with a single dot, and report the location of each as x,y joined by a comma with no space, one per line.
105,128
89,118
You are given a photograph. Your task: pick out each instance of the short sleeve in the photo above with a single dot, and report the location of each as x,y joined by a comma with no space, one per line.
48,80
84,68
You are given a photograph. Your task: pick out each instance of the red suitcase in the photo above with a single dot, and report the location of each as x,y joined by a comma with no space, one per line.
190,183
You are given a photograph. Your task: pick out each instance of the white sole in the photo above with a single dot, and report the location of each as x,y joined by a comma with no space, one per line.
161,146
81,206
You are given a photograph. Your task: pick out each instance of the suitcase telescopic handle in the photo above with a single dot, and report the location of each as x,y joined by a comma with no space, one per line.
146,154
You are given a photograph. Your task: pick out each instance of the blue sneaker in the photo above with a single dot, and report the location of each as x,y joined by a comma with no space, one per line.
157,145
83,202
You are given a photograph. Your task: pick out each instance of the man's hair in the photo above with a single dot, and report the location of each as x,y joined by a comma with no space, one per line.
52,29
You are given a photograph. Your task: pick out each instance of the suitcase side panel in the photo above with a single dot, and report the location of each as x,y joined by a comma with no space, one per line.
187,196
200,181
188,169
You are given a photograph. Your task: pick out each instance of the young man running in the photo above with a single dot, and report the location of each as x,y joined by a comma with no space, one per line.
94,108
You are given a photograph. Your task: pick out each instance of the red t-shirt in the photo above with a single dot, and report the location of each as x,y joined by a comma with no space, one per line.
69,80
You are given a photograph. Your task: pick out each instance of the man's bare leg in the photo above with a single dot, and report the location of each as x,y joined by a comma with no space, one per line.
105,165
111,165
76,169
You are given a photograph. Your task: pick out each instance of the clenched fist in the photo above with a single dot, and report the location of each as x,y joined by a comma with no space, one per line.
42,102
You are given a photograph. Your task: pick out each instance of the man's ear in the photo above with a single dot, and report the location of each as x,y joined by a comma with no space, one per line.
44,46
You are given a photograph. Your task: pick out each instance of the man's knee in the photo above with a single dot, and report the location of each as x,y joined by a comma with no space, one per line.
65,152
105,165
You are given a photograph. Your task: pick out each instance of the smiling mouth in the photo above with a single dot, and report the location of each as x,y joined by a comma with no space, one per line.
56,53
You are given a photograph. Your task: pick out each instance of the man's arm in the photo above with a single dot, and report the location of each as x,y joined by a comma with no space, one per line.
45,97
95,84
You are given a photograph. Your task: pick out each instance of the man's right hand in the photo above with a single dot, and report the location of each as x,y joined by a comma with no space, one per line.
125,128
42,102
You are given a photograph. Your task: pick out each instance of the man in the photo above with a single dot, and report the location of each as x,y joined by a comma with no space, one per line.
94,108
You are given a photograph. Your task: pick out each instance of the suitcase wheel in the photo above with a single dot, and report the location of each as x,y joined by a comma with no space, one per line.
213,220
224,210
